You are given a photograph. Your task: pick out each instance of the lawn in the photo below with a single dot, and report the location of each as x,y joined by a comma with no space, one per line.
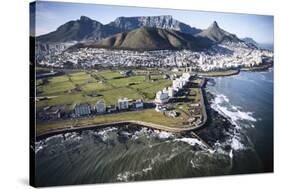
76,88
109,85
95,87
194,95
219,73
56,85
108,74
155,87
149,115
123,82
111,96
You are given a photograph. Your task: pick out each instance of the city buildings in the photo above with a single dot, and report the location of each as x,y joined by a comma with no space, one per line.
138,104
82,109
100,106
162,97
218,57
123,104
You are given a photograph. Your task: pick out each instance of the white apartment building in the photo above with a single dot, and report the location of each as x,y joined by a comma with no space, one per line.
162,97
123,104
100,106
171,92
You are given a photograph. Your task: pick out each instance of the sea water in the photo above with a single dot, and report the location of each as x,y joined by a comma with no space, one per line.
240,110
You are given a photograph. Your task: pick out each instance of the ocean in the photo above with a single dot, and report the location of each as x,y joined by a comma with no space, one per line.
239,132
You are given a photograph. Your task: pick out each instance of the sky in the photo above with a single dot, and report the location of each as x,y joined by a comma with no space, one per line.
50,15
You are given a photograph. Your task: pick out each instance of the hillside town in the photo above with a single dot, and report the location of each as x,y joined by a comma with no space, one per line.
219,57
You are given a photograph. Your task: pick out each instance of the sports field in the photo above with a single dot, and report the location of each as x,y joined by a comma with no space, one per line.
90,86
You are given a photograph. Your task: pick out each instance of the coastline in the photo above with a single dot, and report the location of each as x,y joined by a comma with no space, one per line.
167,128
219,73
53,132
258,68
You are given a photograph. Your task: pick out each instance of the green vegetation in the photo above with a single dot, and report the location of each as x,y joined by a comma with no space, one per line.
149,115
91,86
219,73
145,38
194,95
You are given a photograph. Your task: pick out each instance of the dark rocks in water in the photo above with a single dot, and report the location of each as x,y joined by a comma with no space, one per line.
216,126
123,136
211,82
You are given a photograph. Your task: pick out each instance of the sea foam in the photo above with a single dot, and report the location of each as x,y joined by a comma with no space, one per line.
234,113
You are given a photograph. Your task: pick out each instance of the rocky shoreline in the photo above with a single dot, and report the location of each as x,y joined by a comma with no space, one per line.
216,125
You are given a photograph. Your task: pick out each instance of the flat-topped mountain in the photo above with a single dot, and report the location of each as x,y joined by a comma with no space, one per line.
164,21
146,38
85,28
218,35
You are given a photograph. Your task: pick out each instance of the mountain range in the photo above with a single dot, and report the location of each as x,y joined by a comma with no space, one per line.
139,33
149,38
85,29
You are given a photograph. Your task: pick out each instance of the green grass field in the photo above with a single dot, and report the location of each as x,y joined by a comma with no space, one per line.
149,115
79,87
110,85
219,73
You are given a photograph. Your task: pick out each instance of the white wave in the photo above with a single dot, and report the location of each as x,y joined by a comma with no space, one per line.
127,175
236,144
106,130
192,164
142,132
67,135
165,135
39,146
191,141
104,133
125,133
220,98
134,137
59,137
233,113
73,136
123,176
238,115
211,151
38,149
231,154
145,170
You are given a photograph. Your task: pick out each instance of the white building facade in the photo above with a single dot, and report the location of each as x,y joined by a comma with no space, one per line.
123,104
100,106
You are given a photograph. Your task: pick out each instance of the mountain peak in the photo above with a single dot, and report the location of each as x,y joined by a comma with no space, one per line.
85,18
217,34
214,25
